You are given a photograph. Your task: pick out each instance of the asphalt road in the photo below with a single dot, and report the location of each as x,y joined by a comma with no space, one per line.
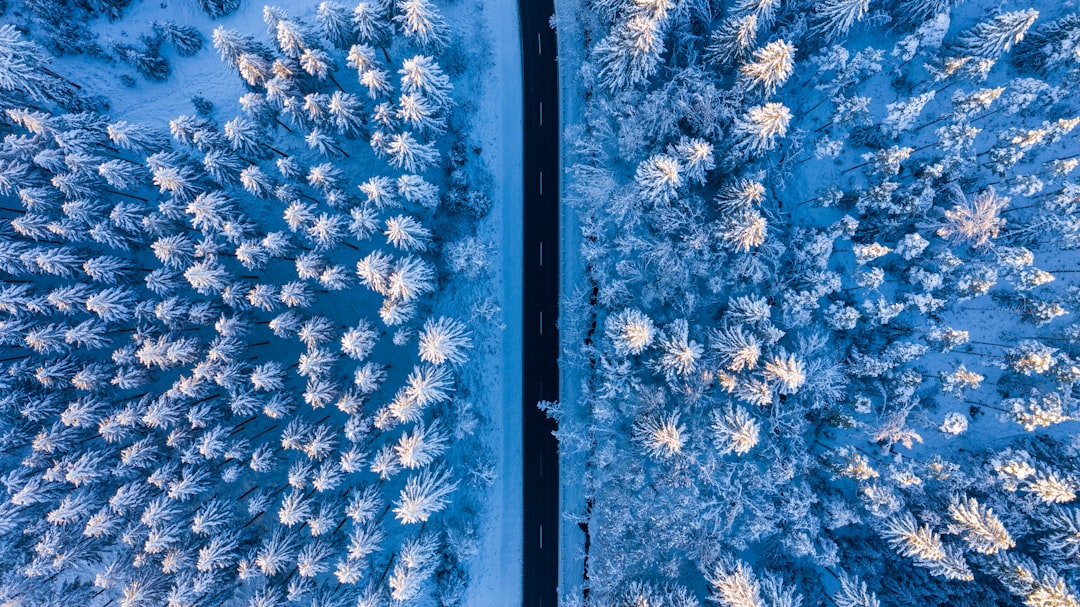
540,337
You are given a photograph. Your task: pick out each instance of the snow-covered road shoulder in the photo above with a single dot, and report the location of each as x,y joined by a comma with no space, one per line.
496,574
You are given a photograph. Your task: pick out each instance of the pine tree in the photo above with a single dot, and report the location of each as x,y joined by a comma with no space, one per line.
346,112
756,132
853,593
630,54
1049,46
743,230
185,39
417,113
422,74
232,44
913,13
146,60
409,278
734,584
786,371
833,18
444,340
24,67
416,190
770,67
335,21
369,23
680,355
424,494
662,436
977,524
734,430
989,39
219,8
976,221
731,42
408,154
422,447
659,178
696,158
422,24
631,331
1052,489
737,350
358,342
1040,586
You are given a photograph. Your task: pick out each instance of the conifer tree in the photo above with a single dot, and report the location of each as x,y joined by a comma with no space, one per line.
833,18
977,524
24,67
769,67
422,23
662,436
630,54
990,38
756,132
185,39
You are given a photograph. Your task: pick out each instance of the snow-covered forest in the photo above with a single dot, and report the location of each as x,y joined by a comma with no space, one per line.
824,337
248,348
819,347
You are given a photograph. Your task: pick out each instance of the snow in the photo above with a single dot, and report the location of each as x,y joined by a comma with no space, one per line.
571,489
496,573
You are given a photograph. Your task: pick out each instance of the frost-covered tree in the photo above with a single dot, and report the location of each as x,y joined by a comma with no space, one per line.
769,67
335,21
662,436
369,22
786,371
630,54
422,74
732,41
444,340
416,112
659,177
991,38
681,355
833,18
981,529
1049,46
734,431
422,447
696,158
24,67
756,132
915,12
408,154
424,494
975,221
422,23
186,39
921,543
631,331
853,593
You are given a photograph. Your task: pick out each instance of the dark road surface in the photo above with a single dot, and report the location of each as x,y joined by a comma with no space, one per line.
540,338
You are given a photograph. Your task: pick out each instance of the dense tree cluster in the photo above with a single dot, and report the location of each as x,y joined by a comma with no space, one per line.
225,381
826,326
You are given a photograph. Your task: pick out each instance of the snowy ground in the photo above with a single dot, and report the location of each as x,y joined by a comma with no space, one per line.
497,571
571,537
